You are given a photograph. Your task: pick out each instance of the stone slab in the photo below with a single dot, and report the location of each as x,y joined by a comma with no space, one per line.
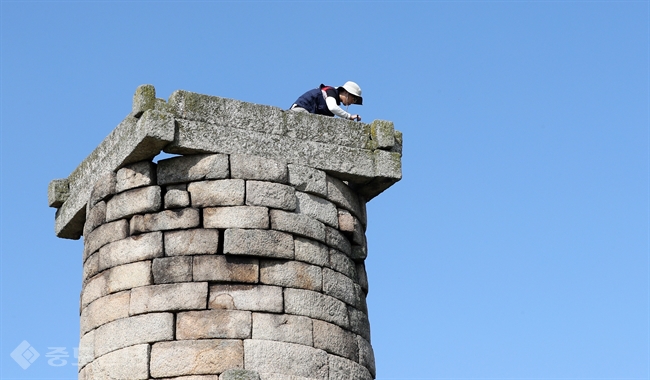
270,194
206,324
127,363
246,297
195,357
139,174
222,192
169,297
307,179
239,374
292,274
131,249
146,328
298,224
236,217
247,166
283,328
318,208
191,168
104,234
165,220
104,310
225,268
199,241
169,270
315,305
311,251
345,369
266,243
285,358
335,340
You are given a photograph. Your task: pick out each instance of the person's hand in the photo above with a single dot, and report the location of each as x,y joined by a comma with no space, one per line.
355,117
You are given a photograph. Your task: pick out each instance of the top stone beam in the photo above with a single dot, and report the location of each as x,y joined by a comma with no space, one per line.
368,156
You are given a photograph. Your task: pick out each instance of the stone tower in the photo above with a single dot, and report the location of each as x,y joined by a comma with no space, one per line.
242,257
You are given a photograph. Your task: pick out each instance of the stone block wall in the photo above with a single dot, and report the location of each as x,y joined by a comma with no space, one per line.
224,266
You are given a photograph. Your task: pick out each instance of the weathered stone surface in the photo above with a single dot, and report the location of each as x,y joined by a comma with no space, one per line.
362,276
115,279
344,369
144,99
293,274
140,174
236,217
359,323
223,192
239,374
298,224
335,340
200,241
227,324
260,168
283,328
93,289
359,252
104,310
131,249
340,287
181,296
91,266
175,198
226,268
86,349
315,305
132,141
246,297
339,193
308,179
104,234
366,355
58,192
192,168
104,187
195,357
267,243
286,358
335,239
127,363
312,252
165,220
346,221
318,208
167,270
342,148
270,194
126,332
95,217
128,276
136,201
341,263
383,133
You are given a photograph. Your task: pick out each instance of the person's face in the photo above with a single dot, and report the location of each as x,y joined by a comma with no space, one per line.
348,98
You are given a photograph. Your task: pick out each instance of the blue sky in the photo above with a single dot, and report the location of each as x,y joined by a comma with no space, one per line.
515,247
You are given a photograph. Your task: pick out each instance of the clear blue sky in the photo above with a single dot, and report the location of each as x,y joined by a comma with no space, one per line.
515,247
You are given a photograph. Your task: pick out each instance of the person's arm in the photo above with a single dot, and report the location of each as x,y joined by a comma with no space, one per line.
336,110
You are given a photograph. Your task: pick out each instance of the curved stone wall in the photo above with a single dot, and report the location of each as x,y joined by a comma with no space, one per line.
216,266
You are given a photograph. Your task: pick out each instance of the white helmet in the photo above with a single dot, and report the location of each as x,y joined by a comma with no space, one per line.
353,89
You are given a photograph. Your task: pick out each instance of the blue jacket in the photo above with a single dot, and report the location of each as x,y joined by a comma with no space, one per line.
314,102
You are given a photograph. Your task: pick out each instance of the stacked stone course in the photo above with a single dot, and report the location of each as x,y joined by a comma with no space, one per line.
202,264
242,257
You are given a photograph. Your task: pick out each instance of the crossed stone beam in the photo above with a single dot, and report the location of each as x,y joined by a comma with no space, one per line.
366,156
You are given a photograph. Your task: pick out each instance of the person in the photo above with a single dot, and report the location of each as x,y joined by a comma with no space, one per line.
326,100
